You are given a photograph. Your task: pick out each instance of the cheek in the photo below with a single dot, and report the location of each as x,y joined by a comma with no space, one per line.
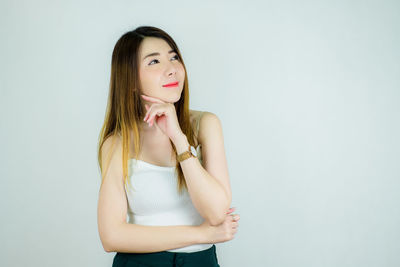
182,70
146,83
149,77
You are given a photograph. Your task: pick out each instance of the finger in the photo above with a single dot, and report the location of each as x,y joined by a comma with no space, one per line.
231,210
153,120
150,112
147,113
235,217
157,113
146,118
152,116
152,99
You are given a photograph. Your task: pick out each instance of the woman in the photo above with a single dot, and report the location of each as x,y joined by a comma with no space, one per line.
175,194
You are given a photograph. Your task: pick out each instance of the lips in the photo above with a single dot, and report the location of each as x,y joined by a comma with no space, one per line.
171,84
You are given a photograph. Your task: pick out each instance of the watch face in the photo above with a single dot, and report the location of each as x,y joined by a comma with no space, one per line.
193,150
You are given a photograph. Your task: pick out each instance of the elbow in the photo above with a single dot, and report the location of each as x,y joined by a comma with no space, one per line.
220,216
107,242
110,250
216,221
110,234
111,237
107,250
107,246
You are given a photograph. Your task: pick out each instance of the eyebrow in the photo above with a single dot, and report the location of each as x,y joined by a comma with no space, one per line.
157,54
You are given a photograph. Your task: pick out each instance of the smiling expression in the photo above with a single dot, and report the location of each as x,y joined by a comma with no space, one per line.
159,65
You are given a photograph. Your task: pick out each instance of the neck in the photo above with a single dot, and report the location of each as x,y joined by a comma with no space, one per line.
154,131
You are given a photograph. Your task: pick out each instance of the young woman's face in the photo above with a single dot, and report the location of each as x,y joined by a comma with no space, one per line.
158,70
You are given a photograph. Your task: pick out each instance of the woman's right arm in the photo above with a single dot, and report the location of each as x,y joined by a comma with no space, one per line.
119,236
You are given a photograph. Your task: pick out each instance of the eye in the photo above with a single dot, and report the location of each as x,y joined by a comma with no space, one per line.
152,61
176,56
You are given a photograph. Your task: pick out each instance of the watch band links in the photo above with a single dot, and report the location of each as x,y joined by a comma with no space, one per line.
185,155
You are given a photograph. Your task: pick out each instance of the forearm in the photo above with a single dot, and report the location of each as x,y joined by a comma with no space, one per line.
135,238
207,194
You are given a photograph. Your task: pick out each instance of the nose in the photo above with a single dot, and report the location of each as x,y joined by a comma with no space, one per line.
171,69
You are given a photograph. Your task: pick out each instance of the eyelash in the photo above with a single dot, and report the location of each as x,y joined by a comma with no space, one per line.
176,56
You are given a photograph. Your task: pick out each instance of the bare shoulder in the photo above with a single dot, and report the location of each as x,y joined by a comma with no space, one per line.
112,202
111,156
111,144
194,114
205,120
213,154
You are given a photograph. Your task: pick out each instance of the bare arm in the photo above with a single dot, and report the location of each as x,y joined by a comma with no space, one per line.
208,186
118,235
144,239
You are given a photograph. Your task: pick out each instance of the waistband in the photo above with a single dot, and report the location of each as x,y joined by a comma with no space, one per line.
207,257
169,253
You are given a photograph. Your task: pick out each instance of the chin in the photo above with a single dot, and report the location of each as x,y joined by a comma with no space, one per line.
174,100
172,97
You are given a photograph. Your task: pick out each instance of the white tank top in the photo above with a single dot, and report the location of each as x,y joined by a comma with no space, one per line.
155,200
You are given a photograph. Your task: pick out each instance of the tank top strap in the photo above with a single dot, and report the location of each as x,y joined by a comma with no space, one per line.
198,123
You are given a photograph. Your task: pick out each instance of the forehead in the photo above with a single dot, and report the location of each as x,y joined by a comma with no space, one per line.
153,44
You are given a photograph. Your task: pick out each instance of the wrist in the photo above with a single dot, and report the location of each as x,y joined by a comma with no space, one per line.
202,234
181,144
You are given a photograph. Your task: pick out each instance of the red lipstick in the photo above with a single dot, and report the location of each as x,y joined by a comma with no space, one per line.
173,84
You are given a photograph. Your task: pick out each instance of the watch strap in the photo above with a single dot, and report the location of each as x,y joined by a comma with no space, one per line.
185,155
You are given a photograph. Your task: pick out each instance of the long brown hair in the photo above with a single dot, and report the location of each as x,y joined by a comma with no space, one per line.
124,107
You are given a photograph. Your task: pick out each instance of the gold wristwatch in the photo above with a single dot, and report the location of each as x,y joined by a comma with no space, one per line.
191,152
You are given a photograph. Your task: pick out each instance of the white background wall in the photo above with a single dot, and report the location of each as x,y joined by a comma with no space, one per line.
307,92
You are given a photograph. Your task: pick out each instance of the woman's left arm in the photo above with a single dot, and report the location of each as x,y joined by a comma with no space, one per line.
209,187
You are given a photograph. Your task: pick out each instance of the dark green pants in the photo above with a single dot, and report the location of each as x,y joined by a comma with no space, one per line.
204,258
